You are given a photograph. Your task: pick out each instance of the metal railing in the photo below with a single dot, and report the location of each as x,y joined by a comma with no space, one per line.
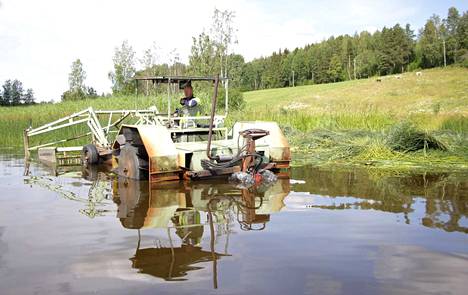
100,133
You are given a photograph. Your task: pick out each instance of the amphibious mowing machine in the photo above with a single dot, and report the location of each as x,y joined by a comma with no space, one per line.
169,145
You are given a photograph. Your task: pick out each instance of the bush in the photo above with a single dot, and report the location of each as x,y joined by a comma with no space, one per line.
465,63
462,57
405,137
236,99
79,94
73,95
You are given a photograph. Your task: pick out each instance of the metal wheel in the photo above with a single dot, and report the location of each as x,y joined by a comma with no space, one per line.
133,202
89,172
132,164
89,155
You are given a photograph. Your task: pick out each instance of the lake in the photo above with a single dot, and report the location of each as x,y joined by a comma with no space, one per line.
70,230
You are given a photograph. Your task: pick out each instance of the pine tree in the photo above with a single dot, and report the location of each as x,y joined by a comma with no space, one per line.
451,25
462,36
385,52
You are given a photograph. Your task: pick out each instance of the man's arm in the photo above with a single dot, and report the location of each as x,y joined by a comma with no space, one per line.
193,102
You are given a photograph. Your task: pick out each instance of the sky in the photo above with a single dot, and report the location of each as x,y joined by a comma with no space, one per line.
39,39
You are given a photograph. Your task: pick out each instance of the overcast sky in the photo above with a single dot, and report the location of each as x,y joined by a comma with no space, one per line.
39,39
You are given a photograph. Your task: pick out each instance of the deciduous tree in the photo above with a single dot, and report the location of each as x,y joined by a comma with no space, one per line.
77,77
124,69
430,42
13,94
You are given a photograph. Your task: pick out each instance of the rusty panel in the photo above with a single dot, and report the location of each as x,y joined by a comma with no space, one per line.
161,150
164,164
280,154
165,176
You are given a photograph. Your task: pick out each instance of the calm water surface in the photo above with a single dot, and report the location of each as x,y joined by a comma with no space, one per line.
67,231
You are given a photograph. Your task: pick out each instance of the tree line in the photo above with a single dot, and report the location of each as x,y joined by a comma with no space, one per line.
12,93
390,50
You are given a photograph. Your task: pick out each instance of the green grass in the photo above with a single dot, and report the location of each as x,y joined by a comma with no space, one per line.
13,120
351,122
346,123
437,100
442,90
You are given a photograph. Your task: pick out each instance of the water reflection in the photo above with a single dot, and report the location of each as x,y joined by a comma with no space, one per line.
323,232
436,200
81,184
192,210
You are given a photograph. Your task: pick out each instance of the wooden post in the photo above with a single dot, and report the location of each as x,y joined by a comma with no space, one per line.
26,144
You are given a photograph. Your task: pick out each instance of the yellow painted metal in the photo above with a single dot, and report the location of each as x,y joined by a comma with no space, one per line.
167,159
161,150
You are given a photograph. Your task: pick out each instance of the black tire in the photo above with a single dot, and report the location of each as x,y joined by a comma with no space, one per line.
132,164
89,155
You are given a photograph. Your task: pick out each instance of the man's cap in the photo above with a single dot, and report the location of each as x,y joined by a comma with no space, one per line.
186,83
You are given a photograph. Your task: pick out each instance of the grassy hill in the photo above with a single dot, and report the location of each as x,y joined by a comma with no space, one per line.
434,97
361,121
399,94
347,122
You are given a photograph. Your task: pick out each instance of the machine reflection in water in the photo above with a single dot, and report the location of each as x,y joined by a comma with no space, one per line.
191,210
435,200
182,227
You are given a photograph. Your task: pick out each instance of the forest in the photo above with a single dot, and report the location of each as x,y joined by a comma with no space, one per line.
391,50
